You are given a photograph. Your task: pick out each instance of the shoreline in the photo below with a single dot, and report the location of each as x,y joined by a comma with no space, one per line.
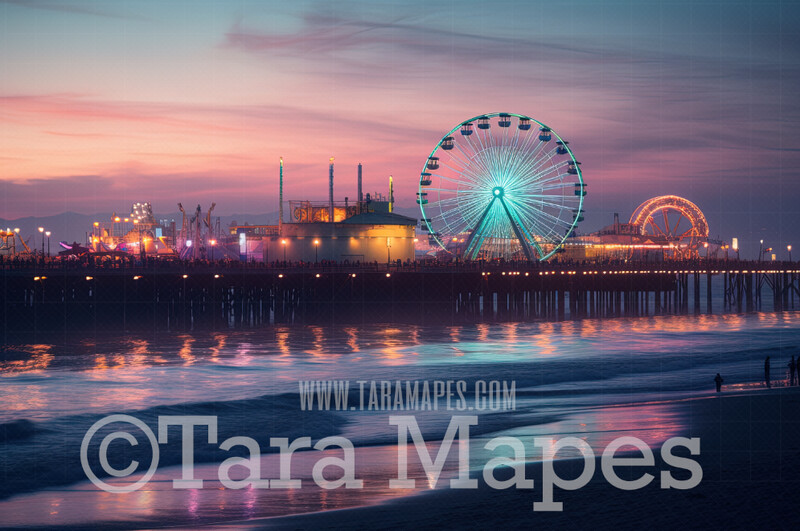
750,456
750,443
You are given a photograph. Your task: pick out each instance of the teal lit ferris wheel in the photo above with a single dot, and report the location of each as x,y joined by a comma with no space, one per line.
501,185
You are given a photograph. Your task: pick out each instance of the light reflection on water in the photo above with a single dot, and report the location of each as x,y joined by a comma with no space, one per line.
159,503
108,372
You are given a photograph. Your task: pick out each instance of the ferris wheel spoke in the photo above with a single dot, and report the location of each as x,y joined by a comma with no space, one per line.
527,160
475,160
447,201
666,221
537,195
535,203
470,211
557,186
535,168
453,179
653,224
534,172
461,162
554,219
680,217
539,183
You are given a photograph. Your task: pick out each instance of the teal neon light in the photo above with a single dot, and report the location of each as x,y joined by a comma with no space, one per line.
508,186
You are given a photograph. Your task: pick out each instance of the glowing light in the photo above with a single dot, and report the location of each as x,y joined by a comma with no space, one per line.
185,276
216,276
317,275
41,229
188,243
213,242
511,193
280,275
89,278
136,277
388,275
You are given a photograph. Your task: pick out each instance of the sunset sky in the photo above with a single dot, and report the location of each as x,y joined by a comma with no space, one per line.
106,103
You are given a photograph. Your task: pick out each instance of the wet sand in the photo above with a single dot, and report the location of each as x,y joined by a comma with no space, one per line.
750,455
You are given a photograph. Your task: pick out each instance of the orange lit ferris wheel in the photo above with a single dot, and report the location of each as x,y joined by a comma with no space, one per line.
672,219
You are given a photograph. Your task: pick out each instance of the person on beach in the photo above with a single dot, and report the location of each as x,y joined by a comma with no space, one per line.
766,372
718,380
792,368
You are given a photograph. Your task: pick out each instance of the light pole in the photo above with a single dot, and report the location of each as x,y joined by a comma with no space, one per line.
213,243
283,242
41,231
47,233
760,250
316,249
388,251
789,248
705,244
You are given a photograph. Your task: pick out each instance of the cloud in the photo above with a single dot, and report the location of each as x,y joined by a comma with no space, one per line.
77,8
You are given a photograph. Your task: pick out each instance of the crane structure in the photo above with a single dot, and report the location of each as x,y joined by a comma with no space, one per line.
197,233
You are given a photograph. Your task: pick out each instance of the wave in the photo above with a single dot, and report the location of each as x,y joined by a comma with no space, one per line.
16,430
38,455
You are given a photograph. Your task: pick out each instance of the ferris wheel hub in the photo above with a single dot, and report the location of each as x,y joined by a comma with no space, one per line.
498,191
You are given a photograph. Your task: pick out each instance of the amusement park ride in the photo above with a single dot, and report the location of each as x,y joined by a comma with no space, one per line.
496,186
507,186
140,235
8,243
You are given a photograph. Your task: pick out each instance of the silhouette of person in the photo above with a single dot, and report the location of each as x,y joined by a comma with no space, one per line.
792,368
766,372
718,380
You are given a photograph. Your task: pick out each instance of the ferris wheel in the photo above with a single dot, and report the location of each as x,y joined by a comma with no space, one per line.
501,185
673,219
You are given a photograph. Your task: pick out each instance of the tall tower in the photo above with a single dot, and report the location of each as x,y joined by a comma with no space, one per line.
330,192
391,194
280,203
360,195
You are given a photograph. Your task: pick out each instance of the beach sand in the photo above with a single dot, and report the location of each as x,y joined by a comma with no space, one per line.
750,456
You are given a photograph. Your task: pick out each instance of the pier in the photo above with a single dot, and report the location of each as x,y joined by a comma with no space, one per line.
187,296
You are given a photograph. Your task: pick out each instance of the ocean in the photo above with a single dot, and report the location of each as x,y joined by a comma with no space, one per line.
596,379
